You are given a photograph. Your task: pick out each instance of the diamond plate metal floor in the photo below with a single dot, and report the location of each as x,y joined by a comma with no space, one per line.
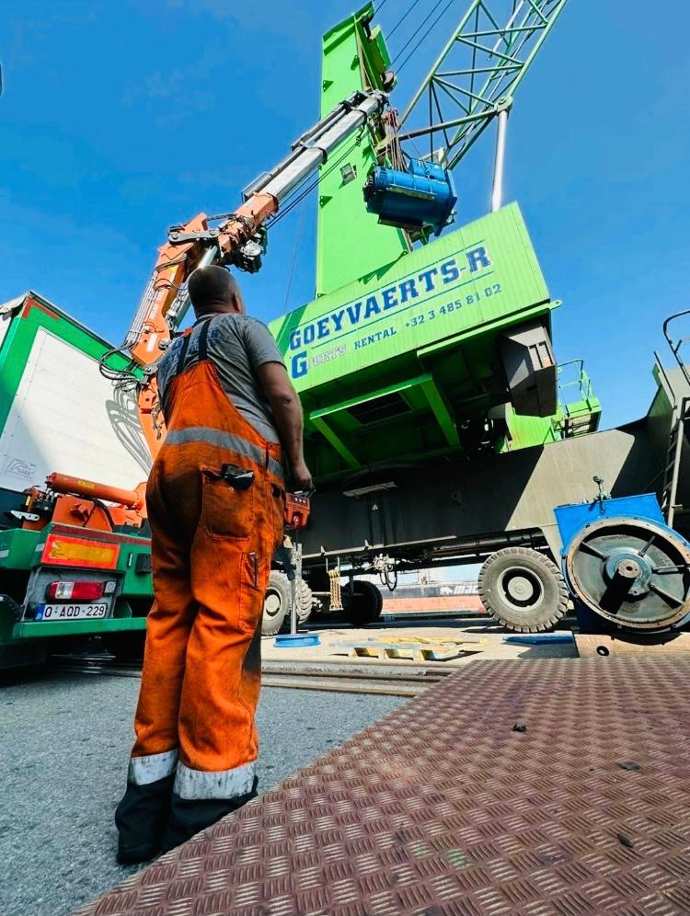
443,809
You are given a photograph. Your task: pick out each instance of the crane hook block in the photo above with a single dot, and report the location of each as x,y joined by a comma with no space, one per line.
420,197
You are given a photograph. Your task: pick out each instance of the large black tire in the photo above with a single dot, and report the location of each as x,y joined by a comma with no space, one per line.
277,603
127,648
363,603
304,601
523,590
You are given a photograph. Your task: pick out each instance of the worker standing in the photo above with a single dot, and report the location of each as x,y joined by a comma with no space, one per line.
215,502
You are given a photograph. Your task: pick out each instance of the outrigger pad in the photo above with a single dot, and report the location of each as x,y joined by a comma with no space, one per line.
530,370
444,808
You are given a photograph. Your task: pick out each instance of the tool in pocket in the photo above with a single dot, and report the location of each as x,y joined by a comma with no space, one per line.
238,478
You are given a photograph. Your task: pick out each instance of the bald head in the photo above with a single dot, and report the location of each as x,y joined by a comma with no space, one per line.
214,290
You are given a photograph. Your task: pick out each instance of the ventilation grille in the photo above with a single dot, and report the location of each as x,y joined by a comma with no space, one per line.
388,405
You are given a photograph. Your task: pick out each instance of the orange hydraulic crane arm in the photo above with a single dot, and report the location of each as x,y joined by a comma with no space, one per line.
164,301
238,238
78,486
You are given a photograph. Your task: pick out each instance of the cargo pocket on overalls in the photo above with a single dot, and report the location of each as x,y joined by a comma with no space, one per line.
227,511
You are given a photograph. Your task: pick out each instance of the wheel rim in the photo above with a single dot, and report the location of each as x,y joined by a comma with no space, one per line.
521,588
272,603
633,572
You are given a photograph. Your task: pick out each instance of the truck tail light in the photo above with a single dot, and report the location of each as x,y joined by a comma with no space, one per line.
75,591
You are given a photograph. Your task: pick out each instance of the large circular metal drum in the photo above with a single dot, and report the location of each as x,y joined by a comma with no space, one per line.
632,571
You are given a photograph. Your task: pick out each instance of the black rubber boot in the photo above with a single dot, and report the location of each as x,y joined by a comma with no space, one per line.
189,816
141,819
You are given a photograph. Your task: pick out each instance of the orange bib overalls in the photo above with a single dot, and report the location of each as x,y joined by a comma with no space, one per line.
213,540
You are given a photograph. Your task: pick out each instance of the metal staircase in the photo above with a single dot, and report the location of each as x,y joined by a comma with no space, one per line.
674,454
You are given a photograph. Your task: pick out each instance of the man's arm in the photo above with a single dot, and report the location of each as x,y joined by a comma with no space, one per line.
287,413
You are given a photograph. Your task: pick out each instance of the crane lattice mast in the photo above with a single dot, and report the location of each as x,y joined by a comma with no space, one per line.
477,73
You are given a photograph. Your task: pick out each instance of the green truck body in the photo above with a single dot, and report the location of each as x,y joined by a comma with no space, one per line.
58,414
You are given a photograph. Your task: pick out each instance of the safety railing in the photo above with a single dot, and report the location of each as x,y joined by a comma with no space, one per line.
580,382
578,406
676,345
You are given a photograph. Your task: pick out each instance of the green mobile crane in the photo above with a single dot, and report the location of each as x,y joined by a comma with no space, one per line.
439,426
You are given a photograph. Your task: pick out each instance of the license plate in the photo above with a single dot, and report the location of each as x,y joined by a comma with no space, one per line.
71,611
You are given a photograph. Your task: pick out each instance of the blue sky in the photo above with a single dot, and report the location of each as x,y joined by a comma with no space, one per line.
119,119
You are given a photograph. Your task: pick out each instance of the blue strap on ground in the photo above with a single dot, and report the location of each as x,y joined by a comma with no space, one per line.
533,639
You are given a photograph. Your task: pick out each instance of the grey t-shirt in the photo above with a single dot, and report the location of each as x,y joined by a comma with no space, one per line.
237,346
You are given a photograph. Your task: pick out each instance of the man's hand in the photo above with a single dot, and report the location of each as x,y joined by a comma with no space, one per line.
301,477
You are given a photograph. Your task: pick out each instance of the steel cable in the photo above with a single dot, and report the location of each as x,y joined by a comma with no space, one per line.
416,31
402,18
426,34
293,265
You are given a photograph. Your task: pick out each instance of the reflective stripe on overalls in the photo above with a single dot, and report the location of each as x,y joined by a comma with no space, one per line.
212,545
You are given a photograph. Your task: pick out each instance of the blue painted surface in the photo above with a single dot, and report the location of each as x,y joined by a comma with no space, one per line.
294,640
572,518
424,195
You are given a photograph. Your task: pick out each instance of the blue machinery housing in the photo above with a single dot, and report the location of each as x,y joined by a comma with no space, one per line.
421,197
622,561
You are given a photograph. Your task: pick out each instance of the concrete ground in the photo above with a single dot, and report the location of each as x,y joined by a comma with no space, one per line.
457,641
63,757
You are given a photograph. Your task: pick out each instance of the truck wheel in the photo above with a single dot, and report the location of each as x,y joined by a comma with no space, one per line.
523,590
277,603
362,602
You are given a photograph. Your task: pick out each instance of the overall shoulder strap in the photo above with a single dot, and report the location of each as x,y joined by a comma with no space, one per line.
200,333
203,339
179,366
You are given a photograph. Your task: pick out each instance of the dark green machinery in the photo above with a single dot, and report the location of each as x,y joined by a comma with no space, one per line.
440,428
